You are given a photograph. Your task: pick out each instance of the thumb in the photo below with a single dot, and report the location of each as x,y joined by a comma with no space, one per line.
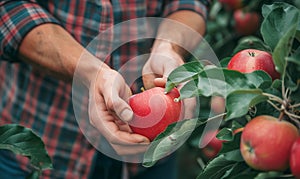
123,110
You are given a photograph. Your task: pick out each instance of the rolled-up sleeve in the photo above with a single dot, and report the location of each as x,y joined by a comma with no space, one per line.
17,18
200,6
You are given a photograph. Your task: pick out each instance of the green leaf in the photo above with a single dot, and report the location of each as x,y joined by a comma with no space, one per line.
236,125
260,79
234,155
224,62
283,49
190,89
266,9
183,73
271,174
251,42
216,168
24,141
220,81
278,20
231,145
246,174
225,134
169,140
239,102
236,170
292,78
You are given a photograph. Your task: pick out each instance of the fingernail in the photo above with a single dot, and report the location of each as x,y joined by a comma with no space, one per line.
126,114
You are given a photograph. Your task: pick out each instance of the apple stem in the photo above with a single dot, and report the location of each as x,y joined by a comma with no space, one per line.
252,54
177,100
281,115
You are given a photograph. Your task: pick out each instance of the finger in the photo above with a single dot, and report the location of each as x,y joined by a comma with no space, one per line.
148,80
116,136
160,82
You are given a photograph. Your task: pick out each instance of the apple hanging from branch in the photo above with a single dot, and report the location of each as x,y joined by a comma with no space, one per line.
249,60
246,23
266,143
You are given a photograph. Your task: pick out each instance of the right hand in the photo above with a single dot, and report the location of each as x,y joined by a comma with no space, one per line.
109,112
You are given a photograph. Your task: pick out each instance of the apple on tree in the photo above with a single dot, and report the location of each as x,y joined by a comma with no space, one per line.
154,111
249,60
295,159
246,23
213,144
266,143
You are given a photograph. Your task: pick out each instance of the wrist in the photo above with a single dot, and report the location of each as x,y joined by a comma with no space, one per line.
87,69
162,46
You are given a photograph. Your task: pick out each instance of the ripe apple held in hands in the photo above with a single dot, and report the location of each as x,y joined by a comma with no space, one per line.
295,159
154,111
213,146
246,23
266,143
249,60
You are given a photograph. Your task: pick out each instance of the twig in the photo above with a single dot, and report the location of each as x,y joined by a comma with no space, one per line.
287,93
273,97
295,105
296,121
272,104
291,114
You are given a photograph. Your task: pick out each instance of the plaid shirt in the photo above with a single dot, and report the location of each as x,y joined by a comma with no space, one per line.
44,103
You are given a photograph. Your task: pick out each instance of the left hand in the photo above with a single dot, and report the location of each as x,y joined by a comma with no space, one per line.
163,59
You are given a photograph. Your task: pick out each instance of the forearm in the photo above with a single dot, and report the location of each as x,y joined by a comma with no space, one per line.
184,29
51,49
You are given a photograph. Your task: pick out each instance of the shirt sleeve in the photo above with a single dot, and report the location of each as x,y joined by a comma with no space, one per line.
200,6
17,18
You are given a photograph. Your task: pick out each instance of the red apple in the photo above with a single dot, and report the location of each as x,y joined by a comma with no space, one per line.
249,60
266,143
154,111
246,23
213,146
232,4
295,159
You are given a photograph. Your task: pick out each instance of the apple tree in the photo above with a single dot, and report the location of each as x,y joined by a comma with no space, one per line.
247,96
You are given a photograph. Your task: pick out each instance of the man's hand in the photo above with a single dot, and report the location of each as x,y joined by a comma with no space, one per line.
109,113
176,36
162,61
54,51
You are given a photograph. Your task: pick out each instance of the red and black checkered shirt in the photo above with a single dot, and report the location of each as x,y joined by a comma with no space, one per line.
43,103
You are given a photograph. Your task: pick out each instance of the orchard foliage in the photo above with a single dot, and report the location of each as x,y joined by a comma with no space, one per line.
247,95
